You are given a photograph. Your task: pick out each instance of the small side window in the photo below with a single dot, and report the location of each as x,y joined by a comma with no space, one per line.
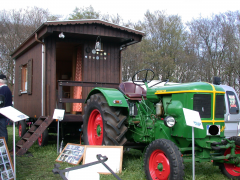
232,103
25,78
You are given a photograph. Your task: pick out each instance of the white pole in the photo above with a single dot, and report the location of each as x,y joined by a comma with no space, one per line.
193,155
58,137
14,151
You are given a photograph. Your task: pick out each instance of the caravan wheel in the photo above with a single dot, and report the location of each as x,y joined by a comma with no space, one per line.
43,139
22,128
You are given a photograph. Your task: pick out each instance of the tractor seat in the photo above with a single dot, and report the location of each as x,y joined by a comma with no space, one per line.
132,91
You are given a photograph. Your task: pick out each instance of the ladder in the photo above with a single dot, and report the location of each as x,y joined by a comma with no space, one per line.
32,134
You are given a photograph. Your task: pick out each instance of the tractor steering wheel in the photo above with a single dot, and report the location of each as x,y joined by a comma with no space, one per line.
144,79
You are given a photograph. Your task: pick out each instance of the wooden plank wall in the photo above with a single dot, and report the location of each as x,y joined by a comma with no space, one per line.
94,70
30,104
101,70
50,76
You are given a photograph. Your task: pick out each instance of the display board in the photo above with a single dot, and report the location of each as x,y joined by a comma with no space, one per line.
72,154
58,114
6,165
13,114
113,153
192,118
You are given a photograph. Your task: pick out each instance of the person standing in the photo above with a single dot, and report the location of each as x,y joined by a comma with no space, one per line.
6,92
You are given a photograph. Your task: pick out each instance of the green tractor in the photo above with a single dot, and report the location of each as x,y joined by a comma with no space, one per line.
154,119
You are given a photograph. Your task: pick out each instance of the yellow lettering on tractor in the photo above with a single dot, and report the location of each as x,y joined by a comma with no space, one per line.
222,129
160,91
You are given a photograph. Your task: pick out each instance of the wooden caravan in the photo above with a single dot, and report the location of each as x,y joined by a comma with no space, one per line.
57,66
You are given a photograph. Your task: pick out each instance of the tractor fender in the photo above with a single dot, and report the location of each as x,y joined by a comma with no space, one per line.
111,96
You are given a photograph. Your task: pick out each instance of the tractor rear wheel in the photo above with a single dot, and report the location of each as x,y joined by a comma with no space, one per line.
22,128
163,160
102,124
231,170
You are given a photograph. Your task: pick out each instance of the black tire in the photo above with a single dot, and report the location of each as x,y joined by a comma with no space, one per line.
43,139
22,128
163,160
231,170
112,129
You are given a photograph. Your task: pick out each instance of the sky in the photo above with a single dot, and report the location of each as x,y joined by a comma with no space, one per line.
132,10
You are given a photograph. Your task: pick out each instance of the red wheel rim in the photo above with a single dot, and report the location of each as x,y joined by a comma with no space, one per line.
40,140
95,128
232,169
159,166
20,130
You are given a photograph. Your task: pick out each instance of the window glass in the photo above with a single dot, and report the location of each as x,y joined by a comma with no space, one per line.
232,103
220,106
202,104
24,78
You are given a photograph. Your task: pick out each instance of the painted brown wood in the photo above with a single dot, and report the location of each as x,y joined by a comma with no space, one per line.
51,74
29,85
19,69
59,57
30,104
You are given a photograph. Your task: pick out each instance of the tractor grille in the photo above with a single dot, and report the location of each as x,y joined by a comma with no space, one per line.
220,107
202,104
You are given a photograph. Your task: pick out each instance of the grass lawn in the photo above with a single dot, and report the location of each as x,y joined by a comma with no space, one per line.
40,166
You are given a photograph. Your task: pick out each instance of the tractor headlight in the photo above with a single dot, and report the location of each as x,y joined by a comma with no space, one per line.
169,121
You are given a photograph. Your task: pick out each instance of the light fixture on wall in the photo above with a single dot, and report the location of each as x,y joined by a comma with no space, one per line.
61,35
98,45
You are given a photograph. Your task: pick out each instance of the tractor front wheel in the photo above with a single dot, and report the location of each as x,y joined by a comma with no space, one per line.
163,161
102,124
231,170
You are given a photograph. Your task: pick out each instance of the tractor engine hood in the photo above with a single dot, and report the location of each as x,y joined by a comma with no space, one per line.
195,87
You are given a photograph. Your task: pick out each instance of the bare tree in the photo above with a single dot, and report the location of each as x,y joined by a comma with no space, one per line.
217,44
15,27
165,36
209,47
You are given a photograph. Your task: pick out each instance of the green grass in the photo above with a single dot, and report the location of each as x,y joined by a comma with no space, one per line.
40,166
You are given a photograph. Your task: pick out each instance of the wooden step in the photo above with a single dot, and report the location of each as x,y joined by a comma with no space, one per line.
38,122
32,134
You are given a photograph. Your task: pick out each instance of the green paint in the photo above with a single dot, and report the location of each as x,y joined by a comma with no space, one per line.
99,130
145,126
160,167
110,94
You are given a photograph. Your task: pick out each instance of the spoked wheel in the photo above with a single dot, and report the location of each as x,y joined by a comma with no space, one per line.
231,170
22,128
163,161
102,124
43,138
95,128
